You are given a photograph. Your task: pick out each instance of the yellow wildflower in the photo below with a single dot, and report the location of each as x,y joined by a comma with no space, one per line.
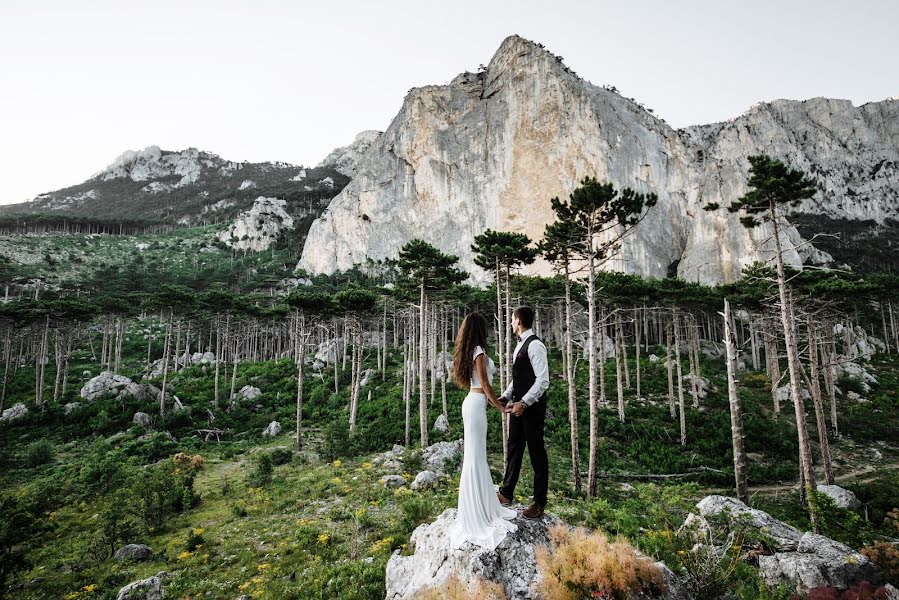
323,538
90,587
198,530
263,566
185,555
337,463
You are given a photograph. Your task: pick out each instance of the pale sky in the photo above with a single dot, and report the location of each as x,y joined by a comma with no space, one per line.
266,80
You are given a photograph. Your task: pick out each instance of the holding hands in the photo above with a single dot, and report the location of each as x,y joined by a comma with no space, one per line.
514,408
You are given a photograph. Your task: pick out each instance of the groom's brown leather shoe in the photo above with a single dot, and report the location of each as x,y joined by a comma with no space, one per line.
503,500
534,511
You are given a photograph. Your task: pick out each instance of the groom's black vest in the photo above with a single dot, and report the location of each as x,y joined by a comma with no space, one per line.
523,376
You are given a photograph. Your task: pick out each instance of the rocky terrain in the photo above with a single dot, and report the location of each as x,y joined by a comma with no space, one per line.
183,188
491,148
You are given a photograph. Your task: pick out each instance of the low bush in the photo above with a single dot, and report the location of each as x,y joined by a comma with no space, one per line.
584,564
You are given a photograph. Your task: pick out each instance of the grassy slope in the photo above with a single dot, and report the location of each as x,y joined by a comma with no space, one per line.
323,529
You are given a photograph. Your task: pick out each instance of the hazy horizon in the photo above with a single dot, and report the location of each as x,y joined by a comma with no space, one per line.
290,81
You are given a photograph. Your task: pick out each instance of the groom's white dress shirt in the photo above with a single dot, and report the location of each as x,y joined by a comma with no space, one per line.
537,354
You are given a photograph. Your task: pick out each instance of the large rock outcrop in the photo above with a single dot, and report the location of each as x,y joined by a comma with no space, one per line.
513,564
804,559
489,150
257,228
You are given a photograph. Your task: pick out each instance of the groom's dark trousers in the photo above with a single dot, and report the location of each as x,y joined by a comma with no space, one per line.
526,430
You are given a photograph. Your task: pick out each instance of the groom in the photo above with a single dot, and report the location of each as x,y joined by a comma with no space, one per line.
525,400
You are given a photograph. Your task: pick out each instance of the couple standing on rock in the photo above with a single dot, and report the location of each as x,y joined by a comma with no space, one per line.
483,517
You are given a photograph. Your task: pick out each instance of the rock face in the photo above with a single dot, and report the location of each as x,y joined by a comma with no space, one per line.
807,559
489,150
346,158
257,228
513,563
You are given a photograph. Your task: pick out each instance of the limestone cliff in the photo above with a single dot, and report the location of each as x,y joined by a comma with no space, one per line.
490,149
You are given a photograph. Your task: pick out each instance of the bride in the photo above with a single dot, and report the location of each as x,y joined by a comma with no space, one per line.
480,518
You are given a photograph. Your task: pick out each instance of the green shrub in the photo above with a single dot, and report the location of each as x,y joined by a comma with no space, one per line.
281,456
38,453
261,475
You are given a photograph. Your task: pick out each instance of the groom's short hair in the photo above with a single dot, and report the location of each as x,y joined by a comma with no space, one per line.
525,314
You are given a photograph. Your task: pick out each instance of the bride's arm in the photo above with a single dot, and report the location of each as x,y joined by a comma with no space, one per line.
480,363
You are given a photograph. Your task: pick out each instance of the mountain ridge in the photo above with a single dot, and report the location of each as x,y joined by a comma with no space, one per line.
489,149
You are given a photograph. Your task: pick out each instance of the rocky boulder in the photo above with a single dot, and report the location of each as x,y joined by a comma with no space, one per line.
393,481
441,425
16,411
806,560
248,392
141,418
513,563
424,480
69,408
443,457
145,589
819,561
841,497
138,552
273,429
109,383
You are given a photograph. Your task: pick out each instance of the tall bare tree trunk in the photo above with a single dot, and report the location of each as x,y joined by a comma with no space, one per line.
736,413
618,357
805,454
591,373
815,389
572,388
422,364
680,380
165,364
669,362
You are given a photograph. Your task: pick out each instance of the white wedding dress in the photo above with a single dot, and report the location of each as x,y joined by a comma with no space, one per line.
480,518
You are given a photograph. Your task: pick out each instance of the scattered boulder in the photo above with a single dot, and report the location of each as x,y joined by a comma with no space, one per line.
69,408
841,497
364,381
819,561
137,552
16,411
107,383
145,589
443,457
702,385
441,424
784,537
273,429
393,481
783,393
141,418
444,365
653,358
327,352
248,392
424,479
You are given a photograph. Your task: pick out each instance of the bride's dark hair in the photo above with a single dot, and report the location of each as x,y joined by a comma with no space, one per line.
472,333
